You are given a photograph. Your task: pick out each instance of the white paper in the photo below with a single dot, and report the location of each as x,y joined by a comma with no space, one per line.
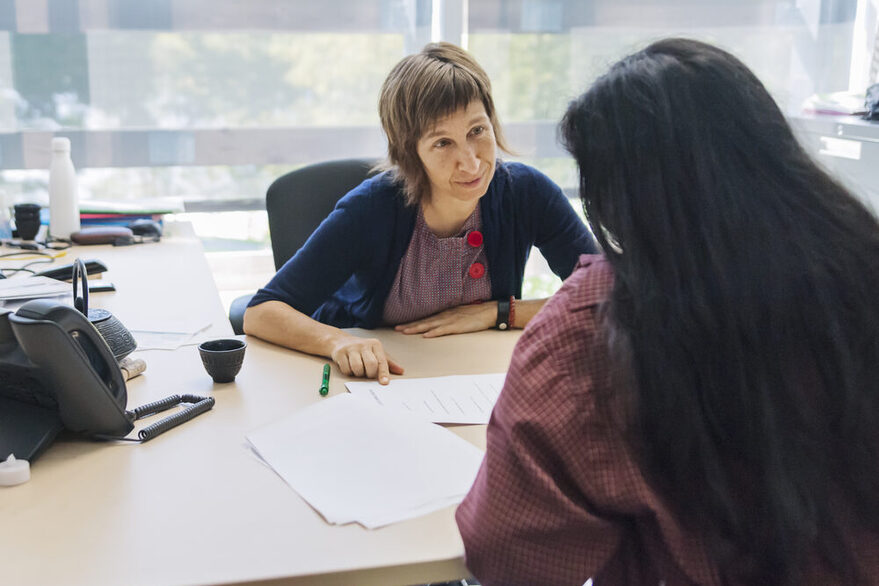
445,399
354,461
32,288
166,340
168,322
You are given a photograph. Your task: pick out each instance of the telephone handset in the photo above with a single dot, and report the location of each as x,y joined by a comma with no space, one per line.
86,380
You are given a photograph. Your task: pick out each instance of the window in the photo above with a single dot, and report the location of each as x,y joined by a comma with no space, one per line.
210,100
543,53
207,100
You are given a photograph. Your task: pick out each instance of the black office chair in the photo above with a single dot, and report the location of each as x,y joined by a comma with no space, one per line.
296,204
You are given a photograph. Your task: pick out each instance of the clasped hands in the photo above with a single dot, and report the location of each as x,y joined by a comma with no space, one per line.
367,358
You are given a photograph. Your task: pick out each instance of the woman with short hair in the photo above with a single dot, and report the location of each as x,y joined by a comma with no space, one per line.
434,245
700,404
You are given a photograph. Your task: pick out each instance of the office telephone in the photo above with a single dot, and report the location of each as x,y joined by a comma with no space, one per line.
57,372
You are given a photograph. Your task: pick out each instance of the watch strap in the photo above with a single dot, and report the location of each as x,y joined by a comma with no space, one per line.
503,314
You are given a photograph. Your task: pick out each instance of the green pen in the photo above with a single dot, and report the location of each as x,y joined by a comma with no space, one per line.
325,383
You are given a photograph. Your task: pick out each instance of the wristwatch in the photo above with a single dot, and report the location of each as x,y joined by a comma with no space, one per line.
503,314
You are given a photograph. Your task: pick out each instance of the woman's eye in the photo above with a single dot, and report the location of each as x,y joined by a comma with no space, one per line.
477,130
441,143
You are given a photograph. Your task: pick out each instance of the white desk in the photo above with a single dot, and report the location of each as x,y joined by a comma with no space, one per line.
194,506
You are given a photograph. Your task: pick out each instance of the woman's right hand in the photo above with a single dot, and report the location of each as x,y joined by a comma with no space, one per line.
279,323
364,357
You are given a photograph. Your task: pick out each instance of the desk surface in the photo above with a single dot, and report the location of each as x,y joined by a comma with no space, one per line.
194,505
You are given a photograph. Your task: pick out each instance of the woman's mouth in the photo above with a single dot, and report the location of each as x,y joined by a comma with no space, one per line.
472,183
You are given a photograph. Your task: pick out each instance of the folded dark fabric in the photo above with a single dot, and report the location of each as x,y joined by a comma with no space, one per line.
872,103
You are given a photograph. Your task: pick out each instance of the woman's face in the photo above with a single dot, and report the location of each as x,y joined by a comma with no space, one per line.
459,154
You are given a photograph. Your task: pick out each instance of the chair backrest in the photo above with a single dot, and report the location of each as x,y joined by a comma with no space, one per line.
297,202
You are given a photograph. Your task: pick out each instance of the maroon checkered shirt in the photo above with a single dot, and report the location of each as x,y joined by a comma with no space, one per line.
559,498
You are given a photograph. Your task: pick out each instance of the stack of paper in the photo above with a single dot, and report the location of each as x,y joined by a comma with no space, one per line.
835,104
32,287
355,461
444,399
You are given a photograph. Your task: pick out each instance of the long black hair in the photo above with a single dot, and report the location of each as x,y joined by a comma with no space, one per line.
746,297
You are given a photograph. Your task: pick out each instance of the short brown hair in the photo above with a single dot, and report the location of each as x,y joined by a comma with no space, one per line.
420,90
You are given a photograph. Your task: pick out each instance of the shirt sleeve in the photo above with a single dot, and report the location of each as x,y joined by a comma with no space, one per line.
560,234
325,262
530,517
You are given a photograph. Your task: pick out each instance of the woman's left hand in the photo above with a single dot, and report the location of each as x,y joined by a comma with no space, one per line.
457,320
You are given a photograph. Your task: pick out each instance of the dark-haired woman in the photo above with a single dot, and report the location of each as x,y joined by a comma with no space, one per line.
699,405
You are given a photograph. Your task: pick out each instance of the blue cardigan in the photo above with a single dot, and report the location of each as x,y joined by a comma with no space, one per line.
343,273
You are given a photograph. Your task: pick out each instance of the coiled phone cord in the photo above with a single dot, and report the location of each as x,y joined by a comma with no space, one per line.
154,407
198,406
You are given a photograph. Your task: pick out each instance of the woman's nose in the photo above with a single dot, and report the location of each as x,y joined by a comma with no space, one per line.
469,159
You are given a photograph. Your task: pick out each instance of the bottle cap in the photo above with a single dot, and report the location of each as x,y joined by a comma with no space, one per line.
60,143
14,471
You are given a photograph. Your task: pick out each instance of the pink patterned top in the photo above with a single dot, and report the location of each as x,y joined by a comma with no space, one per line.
439,273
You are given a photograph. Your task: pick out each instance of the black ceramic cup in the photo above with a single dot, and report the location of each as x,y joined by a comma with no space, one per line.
27,220
222,358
